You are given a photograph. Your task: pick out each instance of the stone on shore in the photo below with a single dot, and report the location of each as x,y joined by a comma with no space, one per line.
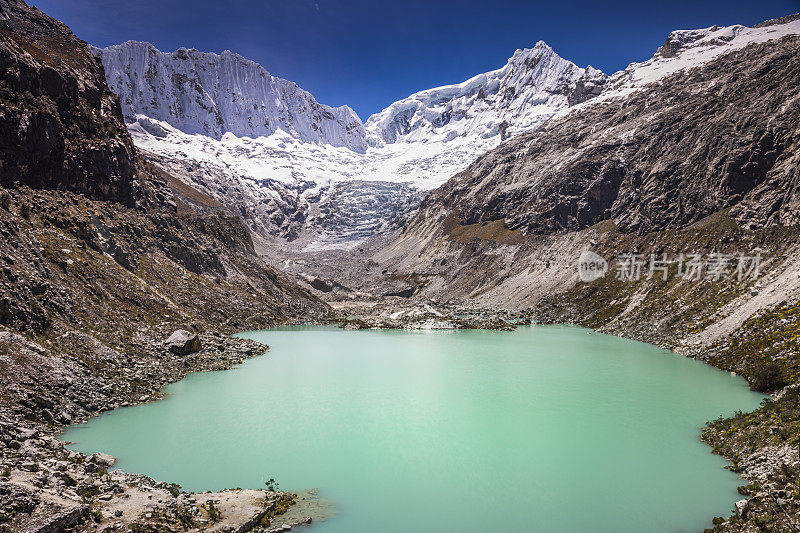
103,459
181,342
741,508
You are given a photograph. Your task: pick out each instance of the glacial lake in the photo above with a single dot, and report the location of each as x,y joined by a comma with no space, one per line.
547,428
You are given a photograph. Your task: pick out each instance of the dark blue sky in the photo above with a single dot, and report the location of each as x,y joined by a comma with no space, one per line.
369,53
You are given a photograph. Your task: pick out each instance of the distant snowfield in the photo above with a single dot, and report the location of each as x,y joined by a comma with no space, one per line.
291,154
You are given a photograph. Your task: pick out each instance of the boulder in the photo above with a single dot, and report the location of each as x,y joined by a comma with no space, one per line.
25,433
61,520
68,479
102,459
183,343
741,508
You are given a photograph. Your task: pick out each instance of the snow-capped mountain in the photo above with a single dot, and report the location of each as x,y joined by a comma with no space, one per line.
213,94
504,102
228,126
686,49
267,149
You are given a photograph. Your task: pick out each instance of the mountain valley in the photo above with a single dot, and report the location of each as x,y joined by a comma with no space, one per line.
145,194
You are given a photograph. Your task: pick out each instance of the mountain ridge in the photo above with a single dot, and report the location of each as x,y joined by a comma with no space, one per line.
213,94
48,84
282,179
414,145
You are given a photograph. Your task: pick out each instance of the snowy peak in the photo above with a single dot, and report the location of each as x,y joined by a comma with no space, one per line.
686,49
213,94
301,170
534,83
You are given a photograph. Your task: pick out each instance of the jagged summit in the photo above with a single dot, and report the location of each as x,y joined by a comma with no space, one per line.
213,94
532,85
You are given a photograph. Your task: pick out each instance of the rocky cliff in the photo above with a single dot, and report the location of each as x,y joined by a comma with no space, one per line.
60,125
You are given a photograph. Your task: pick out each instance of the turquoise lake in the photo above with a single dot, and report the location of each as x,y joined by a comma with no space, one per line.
547,428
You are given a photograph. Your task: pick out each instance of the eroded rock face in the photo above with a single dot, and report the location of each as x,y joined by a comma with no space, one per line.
60,125
718,136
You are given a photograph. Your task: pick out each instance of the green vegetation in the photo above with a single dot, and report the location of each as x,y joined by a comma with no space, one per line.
768,377
186,518
213,512
777,423
87,492
174,489
764,522
766,349
747,490
494,231
280,506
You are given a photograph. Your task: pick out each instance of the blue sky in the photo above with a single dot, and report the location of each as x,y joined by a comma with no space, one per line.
368,54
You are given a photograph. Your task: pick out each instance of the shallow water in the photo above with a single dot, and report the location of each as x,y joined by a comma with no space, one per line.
541,429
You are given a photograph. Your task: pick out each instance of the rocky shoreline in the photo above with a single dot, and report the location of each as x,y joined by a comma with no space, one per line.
46,487
67,489
763,447
105,256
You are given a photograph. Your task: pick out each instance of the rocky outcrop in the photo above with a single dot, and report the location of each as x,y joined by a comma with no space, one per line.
60,125
718,136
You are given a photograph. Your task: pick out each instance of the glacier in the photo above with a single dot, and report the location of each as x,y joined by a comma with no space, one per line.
302,171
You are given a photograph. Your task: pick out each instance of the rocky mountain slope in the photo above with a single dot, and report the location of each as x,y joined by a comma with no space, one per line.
60,126
707,139
204,118
103,257
705,159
